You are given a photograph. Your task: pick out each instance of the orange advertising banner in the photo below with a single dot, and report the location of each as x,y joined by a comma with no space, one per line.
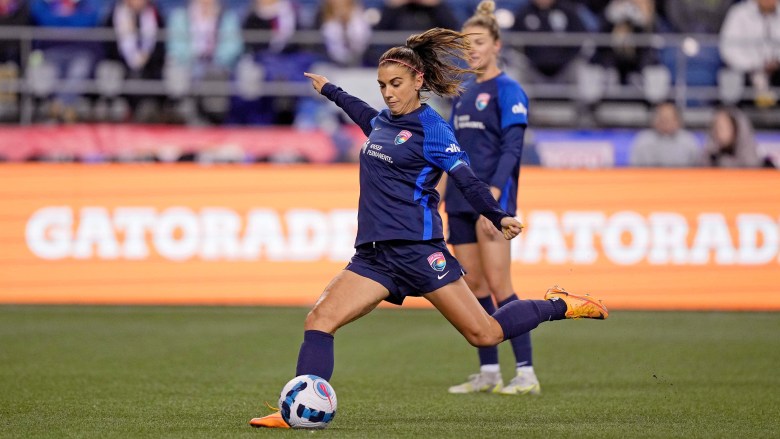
275,235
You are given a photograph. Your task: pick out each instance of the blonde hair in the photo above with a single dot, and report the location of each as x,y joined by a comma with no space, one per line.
484,17
433,55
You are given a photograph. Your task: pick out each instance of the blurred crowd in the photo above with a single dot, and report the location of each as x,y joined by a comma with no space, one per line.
245,43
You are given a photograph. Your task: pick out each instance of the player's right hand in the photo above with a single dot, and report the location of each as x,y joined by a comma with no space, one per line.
511,227
317,81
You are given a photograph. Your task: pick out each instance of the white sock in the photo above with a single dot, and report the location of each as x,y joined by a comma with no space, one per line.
489,368
523,370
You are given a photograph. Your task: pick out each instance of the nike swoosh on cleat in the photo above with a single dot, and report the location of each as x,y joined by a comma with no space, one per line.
442,276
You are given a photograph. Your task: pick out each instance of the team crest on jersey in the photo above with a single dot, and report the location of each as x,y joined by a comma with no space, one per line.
437,261
482,101
402,137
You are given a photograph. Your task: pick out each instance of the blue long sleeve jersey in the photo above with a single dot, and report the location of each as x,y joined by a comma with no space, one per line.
489,119
400,165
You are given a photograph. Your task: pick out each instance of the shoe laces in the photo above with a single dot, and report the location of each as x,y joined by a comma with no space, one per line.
270,407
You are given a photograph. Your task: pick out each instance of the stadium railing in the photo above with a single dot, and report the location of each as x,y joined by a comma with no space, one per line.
696,77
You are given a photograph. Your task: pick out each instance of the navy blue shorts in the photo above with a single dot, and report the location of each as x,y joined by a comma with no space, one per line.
406,268
462,228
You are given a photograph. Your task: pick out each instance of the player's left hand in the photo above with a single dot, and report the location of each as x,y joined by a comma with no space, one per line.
317,81
511,227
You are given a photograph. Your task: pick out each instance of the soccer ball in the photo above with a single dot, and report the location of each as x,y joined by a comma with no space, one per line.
308,401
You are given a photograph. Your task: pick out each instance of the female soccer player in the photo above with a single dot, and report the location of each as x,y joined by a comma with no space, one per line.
489,119
400,250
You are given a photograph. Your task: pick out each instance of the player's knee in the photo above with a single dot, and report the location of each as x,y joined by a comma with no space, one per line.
318,321
482,338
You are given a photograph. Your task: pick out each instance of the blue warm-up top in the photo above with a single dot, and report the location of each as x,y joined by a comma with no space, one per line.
400,165
489,119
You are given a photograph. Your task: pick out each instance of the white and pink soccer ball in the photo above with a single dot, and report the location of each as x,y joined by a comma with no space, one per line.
308,401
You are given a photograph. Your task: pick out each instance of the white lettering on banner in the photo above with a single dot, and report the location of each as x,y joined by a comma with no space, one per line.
263,230
625,238
583,226
134,222
632,224
95,231
546,234
668,232
177,233
180,234
712,235
223,234
751,226
220,234
49,232
342,231
307,230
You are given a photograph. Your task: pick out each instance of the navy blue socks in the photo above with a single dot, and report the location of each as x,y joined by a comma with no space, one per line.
521,345
316,355
521,316
488,355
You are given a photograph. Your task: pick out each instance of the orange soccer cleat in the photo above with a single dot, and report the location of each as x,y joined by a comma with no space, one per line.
274,420
578,307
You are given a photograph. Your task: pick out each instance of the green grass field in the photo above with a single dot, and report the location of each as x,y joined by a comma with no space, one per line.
204,372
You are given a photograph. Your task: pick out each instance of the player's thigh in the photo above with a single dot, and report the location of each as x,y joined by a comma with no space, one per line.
496,262
459,306
471,261
348,297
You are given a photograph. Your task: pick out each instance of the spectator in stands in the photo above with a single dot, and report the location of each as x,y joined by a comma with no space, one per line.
345,30
137,24
279,59
205,39
624,19
750,43
412,15
731,142
666,144
74,60
416,15
696,16
277,16
544,63
12,13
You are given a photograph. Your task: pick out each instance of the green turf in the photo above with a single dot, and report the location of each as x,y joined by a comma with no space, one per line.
203,372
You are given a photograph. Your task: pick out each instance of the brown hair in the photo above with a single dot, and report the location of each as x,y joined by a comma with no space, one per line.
485,18
433,54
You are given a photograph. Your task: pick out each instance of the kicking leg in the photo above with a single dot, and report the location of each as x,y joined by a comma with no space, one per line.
459,306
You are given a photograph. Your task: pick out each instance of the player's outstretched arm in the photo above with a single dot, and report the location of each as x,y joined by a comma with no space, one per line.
357,110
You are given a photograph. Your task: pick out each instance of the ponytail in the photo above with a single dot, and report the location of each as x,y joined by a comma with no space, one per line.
433,54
